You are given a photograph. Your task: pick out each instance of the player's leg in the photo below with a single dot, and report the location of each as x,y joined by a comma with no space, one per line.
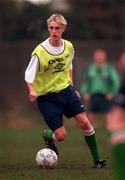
50,136
92,110
93,119
98,106
116,126
105,107
75,109
90,139
52,112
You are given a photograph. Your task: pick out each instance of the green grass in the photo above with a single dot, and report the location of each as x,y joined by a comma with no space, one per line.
18,148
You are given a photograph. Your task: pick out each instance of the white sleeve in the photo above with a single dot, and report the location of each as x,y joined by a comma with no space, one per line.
31,70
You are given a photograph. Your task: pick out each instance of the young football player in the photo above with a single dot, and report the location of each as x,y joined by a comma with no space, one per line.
100,86
49,80
116,125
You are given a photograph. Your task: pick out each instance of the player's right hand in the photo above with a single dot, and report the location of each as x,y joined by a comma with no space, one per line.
33,96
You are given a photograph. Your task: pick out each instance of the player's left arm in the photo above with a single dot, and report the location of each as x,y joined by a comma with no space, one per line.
71,66
71,76
71,72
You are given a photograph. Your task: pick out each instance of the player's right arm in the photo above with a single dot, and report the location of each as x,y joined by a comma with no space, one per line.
30,75
32,93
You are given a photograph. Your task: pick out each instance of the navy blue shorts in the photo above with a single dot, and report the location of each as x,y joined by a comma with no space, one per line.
54,105
99,104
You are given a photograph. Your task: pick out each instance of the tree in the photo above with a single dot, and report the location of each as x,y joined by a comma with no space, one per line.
22,20
98,19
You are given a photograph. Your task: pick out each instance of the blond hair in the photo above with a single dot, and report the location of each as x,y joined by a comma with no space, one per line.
57,18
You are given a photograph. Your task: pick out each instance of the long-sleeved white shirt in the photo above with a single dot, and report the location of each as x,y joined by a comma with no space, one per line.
33,65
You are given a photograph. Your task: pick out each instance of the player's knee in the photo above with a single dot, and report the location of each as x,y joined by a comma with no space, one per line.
60,134
83,121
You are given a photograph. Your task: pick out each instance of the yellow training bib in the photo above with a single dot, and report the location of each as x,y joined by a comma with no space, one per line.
53,74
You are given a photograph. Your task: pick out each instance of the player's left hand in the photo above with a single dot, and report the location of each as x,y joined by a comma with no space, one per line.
78,94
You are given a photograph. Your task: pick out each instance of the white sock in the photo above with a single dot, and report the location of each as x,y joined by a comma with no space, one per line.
89,132
54,137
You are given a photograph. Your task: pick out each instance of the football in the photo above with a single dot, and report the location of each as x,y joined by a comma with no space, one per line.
46,158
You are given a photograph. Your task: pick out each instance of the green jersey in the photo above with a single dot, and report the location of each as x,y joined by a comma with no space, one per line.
101,80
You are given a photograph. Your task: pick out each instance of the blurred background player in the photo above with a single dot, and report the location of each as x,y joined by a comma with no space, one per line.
100,86
49,81
116,125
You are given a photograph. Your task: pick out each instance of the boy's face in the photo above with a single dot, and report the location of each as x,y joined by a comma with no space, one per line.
100,58
55,30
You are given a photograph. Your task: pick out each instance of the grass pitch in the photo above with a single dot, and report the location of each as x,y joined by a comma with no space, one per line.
18,148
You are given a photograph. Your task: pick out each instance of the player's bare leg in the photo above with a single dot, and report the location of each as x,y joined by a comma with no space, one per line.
116,126
90,139
50,137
